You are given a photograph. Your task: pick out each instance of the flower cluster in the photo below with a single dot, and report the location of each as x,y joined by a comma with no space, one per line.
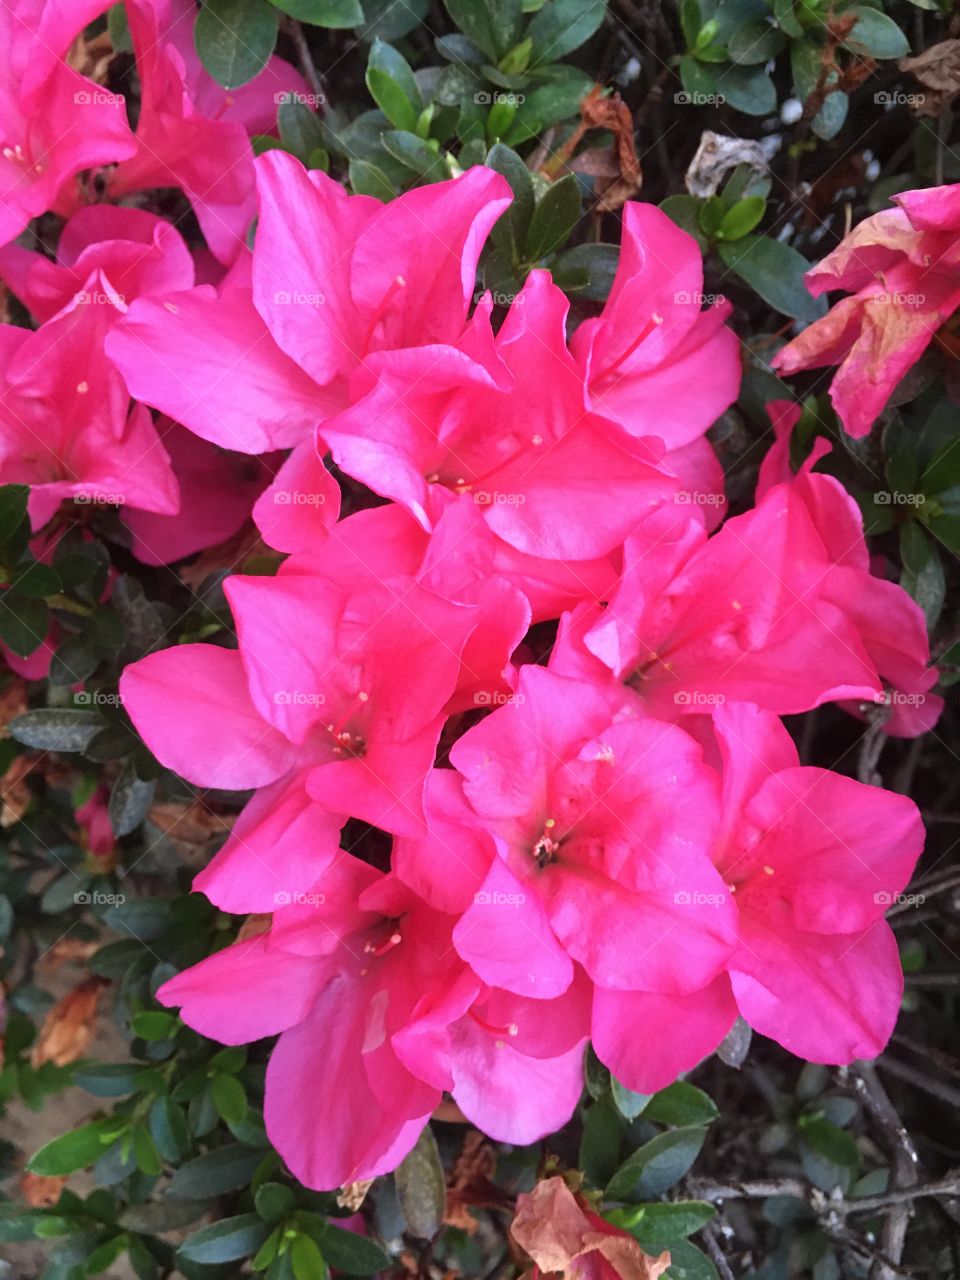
604,835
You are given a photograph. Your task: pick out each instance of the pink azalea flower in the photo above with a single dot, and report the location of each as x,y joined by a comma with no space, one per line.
747,614
66,428
54,122
643,359
590,859
813,860
332,707
901,268
333,278
890,624
377,1015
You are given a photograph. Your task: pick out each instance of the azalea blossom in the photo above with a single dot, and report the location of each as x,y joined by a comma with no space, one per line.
901,270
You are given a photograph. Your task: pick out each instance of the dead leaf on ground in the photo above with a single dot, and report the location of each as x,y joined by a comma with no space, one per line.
68,1028
559,1232
938,70
67,951
353,1194
471,1184
40,1192
15,794
615,169
190,826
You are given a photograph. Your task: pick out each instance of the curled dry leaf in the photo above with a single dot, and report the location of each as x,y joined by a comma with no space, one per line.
938,70
68,1028
40,1192
67,951
562,1234
471,1183
716,155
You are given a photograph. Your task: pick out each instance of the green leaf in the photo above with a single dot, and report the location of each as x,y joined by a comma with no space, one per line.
56,729
494,26
553,219
130,799
710,215
421,1187
155,1024
235,38
146,1154
875,35
23,622
13,509
393,86
784,11
600,1143
168,1128
35,579
300,129
749,89
510,229
108,1079
656,1166
755,42
352,1254
335,14
832,115
595,263
742,218
685,212
367,179
306,1259
229,1097
226,1241
775,271
274,1202
562,26
77,1149
681,1104
687,1262
690,19
662,1223
923,575
416,154
629,1104
215,1173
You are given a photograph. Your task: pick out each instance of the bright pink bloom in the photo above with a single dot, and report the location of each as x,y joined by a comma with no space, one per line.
901,268
54,122
890,624
66,428
332,707
359,977
746,614
594,857
653,360
554,480
335,278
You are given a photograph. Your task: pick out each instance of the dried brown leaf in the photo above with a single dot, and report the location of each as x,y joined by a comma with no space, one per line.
40,1192
68,1028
